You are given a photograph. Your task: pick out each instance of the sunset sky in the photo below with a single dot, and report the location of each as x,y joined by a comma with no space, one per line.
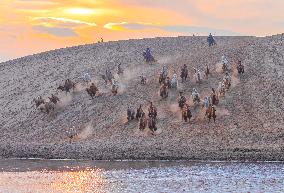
32,26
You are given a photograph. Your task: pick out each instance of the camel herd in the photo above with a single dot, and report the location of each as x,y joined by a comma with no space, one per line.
209,103
166,83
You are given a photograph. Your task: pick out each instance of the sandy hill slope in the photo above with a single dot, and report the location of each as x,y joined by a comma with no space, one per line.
250,120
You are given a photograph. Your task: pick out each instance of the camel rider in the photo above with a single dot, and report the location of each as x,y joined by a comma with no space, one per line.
67,82
54,97
143,79
198,72
227,77
207,71
168,82
119,69
206,102
152,110
182,100
175,76
213,111
213,96
210,36
224,61
71,133
139,112
164,87
188,112
148,51
108,73
164,72
114,85
184,69
87,77
195,94
240,67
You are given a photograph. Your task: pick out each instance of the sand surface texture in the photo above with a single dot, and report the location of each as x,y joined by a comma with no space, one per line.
250,118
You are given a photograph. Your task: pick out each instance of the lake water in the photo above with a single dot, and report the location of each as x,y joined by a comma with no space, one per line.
139,176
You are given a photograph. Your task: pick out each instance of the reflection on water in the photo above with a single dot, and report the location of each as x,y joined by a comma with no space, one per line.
78,181
87,180
87,176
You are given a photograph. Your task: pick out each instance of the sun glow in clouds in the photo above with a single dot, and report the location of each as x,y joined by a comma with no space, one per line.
80,11
46,19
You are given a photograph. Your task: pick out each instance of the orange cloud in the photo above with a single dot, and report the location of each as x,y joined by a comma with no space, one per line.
61,23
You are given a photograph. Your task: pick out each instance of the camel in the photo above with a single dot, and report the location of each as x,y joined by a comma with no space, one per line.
240,68
168,83
162,78
47,107
67,86
211,113
71,133
222,89
207,71
211,41
114,87
38,101
142,122
227,84
139,112
181,101
163,91
214,97
163,75
148,57
152,124
130,114
92,91
107,77
152,111
186,113
54,99
184,73
225,67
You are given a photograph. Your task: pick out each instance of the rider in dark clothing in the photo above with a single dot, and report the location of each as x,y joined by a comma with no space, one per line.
152,111
182,100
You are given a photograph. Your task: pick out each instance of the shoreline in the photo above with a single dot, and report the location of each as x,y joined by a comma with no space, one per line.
139,160
70,153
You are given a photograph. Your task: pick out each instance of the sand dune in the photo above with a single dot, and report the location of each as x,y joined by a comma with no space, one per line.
250,123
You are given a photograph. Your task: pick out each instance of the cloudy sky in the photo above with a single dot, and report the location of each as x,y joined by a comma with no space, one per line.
32,26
